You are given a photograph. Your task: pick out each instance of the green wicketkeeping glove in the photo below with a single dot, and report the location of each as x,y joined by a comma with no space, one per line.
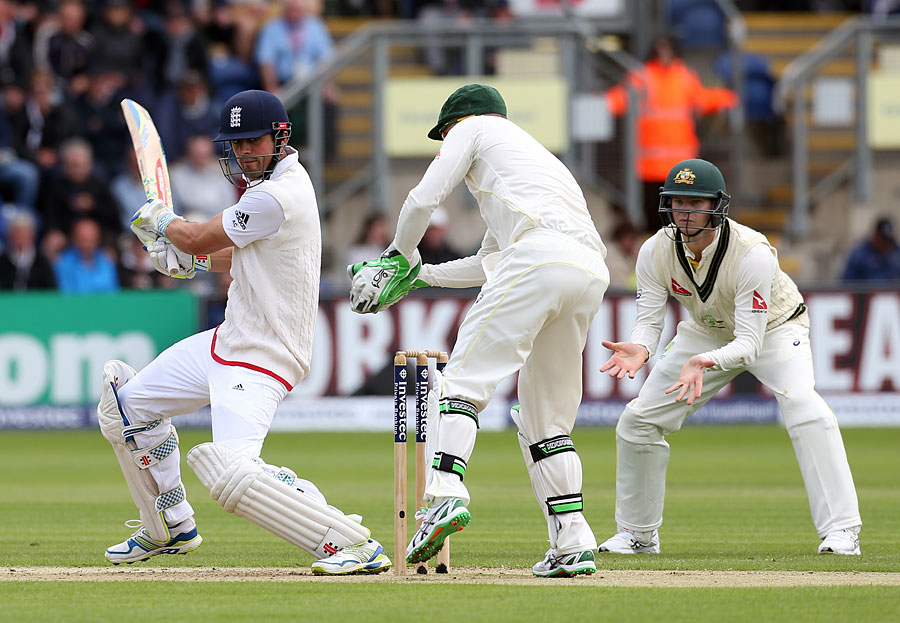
377,284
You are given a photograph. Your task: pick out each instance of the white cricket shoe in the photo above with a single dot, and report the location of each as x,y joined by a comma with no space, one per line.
565,565
624,542
438,522
368,557
844,542
141,546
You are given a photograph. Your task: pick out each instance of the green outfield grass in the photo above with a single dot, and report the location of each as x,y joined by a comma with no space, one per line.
735,501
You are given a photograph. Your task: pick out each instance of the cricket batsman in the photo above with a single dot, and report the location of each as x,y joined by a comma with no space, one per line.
270,241
744,314
542,275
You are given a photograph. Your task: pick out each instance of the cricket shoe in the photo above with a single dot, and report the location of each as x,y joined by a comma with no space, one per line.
368,557
438,523
844,542
565,565
141,546
625,542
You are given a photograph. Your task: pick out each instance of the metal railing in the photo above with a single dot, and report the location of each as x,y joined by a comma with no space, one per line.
585,66
793,89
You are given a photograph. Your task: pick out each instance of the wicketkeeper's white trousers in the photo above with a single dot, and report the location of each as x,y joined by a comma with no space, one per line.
531,317
785,367
185,378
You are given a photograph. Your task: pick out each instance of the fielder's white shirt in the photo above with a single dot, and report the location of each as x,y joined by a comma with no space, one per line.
518,184
755,273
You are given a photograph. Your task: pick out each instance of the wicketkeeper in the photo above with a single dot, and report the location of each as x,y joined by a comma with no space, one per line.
744,313
271,243
542,275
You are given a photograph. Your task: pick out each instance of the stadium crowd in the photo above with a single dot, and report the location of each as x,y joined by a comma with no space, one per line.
68,178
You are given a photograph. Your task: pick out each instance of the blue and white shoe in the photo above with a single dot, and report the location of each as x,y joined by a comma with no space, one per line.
141,546
368,557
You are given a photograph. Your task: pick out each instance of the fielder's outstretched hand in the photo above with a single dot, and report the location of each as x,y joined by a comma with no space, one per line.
627,358
691,379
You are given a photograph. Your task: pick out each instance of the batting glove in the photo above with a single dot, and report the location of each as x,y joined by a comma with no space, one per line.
153,217
377,284
184,266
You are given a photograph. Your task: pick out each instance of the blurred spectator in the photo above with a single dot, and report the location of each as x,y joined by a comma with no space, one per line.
119,39
102,122
75,192
373,239
291,47
135,269
127,188
184,112
178,48
621,257
200,190
231,30
83,268
434,247
669,94
43,122
18,177
877,258
63,46
22,267
15,46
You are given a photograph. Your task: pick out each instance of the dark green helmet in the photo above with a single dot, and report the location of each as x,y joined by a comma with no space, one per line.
695,178
471,99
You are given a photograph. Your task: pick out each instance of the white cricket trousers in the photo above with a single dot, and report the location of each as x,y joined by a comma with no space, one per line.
185,378
785,367
532,316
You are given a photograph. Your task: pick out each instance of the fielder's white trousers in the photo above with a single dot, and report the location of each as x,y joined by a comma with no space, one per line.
185,378
531,317
785,367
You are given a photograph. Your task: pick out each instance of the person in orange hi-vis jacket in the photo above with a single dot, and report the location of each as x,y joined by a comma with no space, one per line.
670,95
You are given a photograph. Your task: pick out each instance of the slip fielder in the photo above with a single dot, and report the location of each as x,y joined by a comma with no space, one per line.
744,314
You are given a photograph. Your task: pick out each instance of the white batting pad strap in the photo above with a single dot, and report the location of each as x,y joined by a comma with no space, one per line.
145,457
243,487
170,498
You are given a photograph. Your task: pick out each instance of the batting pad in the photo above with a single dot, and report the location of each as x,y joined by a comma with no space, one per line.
242,487
144,490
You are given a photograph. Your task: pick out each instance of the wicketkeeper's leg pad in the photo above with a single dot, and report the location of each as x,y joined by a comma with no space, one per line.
134,461
452,427
556,479
241,486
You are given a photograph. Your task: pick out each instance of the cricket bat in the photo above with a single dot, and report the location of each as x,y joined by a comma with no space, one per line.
151,159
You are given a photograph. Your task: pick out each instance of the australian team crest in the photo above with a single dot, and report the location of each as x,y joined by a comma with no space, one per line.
685,176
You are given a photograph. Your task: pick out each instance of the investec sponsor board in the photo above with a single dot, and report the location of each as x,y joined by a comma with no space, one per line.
52,350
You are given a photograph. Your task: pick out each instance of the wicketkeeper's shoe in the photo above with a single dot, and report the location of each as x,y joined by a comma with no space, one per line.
841,542
438,523
368,557
625,542
141,546
565,565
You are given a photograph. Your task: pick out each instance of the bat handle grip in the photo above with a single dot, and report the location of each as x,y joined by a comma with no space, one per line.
171,260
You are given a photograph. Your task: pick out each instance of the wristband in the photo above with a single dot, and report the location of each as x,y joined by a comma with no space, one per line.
164,221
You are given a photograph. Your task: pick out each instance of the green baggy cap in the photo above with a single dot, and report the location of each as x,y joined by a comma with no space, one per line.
472,99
